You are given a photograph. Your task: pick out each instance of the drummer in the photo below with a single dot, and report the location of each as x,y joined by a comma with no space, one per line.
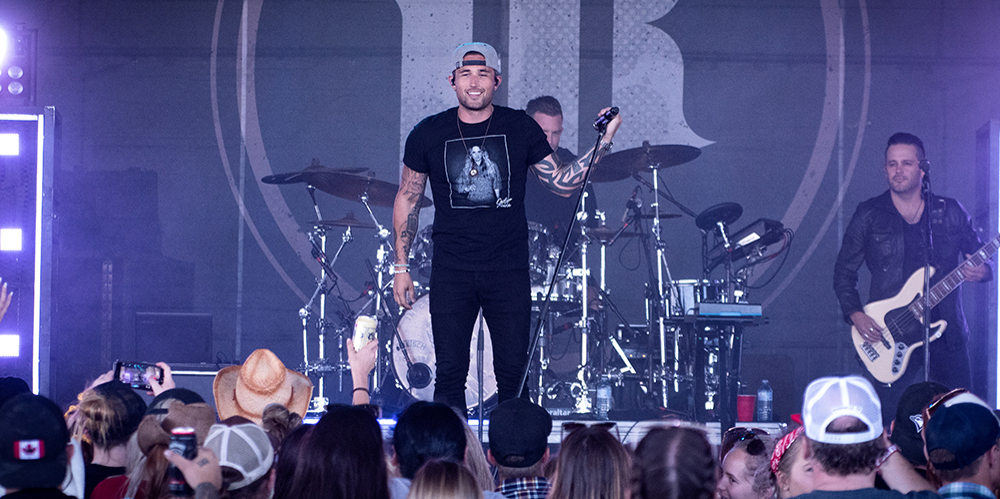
544,207
541,205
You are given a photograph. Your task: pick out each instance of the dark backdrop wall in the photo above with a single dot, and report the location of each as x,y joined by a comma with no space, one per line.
172,111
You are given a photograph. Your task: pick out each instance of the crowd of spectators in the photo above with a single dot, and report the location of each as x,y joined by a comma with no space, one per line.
253,444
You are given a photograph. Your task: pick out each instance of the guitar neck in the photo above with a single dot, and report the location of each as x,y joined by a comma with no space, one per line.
945,286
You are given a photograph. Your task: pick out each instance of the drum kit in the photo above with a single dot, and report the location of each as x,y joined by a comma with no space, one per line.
658,359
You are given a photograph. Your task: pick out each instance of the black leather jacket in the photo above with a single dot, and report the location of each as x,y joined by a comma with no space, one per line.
875,236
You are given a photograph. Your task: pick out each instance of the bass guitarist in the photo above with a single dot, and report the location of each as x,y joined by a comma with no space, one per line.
887,234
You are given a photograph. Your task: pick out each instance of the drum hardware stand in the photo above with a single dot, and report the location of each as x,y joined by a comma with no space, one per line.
583,404
543,359
665,288
383,257
614,342
418,374
326,271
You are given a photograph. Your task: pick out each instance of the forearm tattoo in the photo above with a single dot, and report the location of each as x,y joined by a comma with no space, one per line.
412,189
407,232
567,178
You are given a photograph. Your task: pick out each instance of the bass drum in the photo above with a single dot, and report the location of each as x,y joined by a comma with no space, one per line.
415,330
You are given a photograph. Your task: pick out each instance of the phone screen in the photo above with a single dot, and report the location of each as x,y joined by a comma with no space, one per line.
138,374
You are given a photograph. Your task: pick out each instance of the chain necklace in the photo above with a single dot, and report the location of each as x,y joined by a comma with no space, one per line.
917,214
474,171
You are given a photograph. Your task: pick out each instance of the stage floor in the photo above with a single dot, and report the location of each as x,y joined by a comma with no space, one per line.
629,432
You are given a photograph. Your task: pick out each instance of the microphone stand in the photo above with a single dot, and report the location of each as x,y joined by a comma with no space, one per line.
584,407
929,245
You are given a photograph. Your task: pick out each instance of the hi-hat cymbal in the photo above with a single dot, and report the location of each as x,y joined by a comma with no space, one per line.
348,221
726,213
624,164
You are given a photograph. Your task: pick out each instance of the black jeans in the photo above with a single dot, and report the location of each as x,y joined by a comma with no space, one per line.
456,297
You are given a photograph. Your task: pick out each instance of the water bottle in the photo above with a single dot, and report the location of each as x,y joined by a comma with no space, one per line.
765,402
603,398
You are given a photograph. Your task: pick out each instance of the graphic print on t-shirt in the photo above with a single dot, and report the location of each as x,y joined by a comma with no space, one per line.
478,170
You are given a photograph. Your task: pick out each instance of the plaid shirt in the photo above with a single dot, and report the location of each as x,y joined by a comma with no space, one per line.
535,487
966,490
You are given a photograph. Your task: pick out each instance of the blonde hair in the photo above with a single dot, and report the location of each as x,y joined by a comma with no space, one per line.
444,480
277,421
592,464
475,460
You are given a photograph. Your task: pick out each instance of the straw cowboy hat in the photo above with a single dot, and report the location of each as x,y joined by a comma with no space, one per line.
246,390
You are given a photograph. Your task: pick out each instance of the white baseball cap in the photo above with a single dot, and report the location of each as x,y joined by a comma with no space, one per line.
243,447
827,399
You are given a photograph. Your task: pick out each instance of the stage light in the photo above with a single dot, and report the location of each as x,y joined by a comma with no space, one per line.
10,240
10,345
3,45
17,66
10,144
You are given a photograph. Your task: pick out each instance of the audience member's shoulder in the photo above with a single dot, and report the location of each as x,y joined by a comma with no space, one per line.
870,493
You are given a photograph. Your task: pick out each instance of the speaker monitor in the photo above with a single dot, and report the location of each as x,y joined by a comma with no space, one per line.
173,337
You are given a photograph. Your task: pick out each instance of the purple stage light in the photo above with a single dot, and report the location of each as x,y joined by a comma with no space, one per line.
10,345
10,144
11,240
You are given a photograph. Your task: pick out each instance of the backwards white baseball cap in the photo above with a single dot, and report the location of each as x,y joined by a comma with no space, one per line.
830,398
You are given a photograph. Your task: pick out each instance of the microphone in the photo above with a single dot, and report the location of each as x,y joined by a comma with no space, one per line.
925,165
604,119
630,204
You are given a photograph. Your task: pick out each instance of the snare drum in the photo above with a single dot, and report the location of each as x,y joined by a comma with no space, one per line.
415,330
567,294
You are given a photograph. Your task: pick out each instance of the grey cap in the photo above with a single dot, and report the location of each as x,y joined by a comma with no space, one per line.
490,53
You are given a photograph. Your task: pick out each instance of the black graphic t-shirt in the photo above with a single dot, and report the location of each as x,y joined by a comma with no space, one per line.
478,185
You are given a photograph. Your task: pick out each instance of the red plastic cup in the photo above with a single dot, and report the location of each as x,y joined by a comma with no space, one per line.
744,407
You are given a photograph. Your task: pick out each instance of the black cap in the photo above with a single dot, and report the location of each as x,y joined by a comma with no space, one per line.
33,439
519,433
909,419
135,407
161,402
10,386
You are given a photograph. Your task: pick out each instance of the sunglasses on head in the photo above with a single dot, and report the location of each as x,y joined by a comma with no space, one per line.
929,411
755,446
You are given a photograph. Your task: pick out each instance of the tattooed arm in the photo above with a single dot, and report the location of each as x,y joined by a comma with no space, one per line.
567,178
405,215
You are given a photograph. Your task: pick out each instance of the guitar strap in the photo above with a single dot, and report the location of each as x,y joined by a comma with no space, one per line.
938,207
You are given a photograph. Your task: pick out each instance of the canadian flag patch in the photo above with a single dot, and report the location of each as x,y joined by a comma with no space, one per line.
29,450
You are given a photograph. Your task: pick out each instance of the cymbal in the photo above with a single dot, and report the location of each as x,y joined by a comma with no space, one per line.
726,213
344,185
623,164
304,176
663,216
347,221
